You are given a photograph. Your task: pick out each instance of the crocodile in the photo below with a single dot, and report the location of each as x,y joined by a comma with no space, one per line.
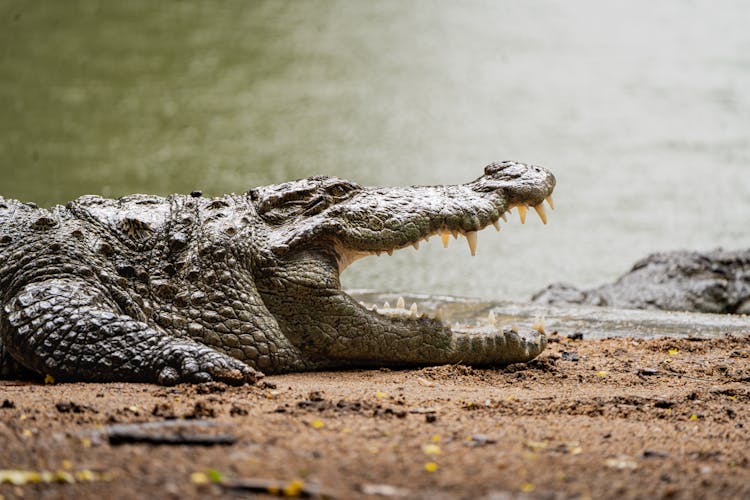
189,289
716,281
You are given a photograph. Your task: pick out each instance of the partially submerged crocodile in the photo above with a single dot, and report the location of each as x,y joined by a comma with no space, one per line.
708,282
190,289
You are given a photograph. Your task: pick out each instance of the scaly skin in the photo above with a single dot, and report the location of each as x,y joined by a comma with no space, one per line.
187,289
708,282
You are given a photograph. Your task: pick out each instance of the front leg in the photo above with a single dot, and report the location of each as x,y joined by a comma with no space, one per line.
70,330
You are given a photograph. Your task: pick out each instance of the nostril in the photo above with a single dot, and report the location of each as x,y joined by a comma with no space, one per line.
496,167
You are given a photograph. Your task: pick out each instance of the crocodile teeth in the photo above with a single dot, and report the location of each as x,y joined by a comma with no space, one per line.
491,319
502,216
541,213
497,225
522,213
445,236
400,303
386,305
390,252
471,238
413,310
551,203
415,245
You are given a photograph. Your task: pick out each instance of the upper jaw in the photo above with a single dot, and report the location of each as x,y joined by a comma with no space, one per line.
377,220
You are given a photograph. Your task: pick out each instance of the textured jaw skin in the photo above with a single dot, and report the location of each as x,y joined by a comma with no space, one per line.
376,220
190,289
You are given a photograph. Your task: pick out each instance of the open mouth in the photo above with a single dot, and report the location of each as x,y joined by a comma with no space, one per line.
400,311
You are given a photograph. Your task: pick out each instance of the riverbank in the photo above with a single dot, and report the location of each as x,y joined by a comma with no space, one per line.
660,418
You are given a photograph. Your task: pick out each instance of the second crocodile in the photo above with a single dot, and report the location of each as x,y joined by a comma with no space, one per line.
710,282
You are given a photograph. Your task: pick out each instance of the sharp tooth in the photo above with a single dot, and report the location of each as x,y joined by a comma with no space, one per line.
491,319
413,310
551,203
386,305
540,212
497,225
390,252
445,236
400,303
502,216
522,213
455,234
415,245
471,237
439,315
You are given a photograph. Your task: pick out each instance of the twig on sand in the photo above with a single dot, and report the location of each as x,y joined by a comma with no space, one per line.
169,432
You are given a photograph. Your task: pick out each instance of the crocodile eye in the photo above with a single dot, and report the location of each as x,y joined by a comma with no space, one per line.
338,190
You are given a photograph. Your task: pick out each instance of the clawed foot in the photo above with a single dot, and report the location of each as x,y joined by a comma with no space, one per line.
197,364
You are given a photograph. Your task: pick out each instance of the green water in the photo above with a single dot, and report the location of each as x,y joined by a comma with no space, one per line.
642,110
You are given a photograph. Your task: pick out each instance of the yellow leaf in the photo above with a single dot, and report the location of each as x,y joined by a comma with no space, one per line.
435,438
381,395
430,466
49,379
693,417
27,433
199,478
527,487
17,477
431,449
67,464
294,488
672,352
86,475
86,443
317,424
602,374
64,477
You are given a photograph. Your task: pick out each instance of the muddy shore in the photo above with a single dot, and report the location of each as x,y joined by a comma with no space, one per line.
625,418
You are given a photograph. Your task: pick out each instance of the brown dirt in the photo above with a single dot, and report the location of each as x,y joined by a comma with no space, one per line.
589,419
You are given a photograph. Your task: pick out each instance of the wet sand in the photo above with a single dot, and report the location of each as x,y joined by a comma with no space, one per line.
625,418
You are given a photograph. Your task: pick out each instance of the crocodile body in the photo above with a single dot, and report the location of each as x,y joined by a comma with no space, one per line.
189,289
708,282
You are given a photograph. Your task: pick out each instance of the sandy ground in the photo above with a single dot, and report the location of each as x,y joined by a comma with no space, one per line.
616,418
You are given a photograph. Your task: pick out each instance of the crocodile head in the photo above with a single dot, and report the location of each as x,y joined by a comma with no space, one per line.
316,227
